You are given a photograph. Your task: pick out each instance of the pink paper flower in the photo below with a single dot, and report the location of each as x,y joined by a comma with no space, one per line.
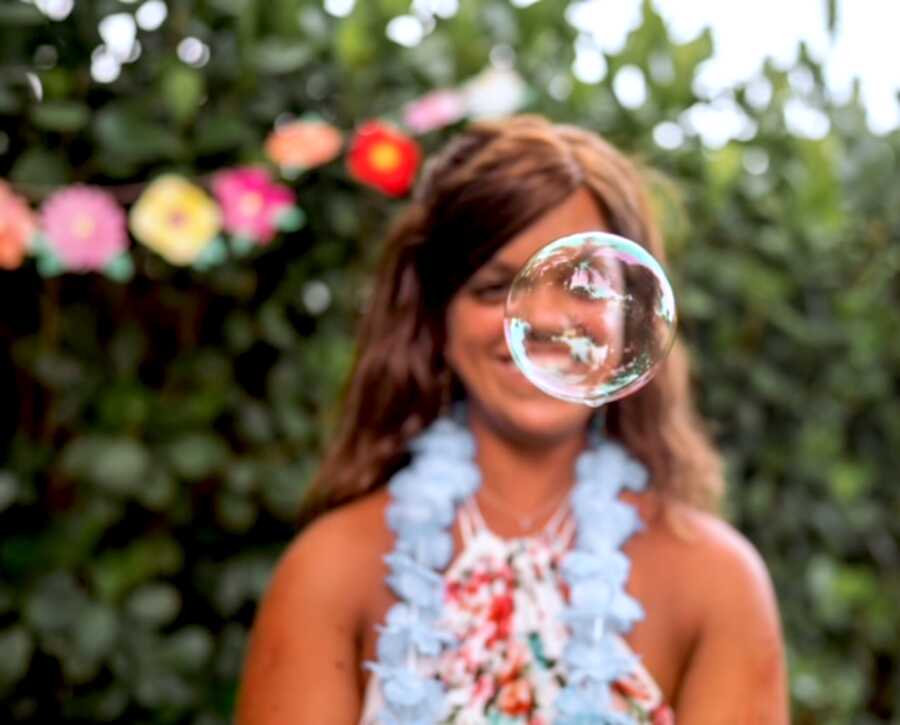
434,110
17,225
85,227
250,202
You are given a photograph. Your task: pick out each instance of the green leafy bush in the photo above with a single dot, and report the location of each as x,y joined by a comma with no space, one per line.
159,434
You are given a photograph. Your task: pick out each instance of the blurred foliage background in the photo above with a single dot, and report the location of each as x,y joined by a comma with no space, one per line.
158,435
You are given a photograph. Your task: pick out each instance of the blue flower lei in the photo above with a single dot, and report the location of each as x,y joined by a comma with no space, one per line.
425,495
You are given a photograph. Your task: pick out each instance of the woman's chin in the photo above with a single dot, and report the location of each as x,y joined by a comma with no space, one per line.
537,417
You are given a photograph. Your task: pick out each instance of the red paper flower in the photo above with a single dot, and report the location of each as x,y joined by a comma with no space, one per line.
383,157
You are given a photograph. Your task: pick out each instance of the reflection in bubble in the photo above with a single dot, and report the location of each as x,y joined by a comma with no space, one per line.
590,318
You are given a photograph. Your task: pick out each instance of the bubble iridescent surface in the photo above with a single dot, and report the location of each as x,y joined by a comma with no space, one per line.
590,318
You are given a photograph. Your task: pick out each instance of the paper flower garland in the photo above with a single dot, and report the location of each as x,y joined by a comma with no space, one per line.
176,219
251,204
83,227
17,226
301,145
384,158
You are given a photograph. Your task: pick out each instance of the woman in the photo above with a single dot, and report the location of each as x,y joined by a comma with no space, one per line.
518,568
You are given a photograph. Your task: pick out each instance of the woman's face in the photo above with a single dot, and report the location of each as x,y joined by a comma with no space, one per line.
476,348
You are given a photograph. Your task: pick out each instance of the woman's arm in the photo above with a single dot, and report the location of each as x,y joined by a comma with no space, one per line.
736,672
301,662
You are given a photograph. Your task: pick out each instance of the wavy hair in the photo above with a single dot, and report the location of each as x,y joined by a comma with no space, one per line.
484,187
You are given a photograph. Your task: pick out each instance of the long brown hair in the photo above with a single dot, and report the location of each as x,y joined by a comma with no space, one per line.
485,186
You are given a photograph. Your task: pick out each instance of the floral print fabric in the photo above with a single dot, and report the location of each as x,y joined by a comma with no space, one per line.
503,603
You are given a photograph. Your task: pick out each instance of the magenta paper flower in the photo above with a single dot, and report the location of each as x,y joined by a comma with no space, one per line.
251,203
84,226
434,110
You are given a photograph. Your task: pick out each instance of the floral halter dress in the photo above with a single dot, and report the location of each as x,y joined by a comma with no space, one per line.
503,602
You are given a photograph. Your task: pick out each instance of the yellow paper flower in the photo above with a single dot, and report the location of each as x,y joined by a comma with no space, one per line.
176,219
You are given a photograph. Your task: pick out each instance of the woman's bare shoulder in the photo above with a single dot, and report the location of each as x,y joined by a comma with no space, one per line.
712,567
302,653
349,540
710,587
330,567
713,545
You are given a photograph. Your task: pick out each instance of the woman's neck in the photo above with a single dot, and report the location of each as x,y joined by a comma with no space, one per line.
524,474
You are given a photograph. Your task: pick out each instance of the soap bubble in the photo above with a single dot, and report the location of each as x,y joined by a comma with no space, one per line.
590,318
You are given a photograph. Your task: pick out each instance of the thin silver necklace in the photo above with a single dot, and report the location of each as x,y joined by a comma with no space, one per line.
525,522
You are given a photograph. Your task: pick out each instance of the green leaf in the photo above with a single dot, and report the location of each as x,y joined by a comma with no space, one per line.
235,513
241,477
197,455
294,423
9,489
277,56
183,88
17,646
223,131
39,166
283,489
239,330
17,14
275,326
725,166
10,102
118,571
62,116
850,480
159,490
54,603
128,132
354,44
154,604
254,422
96,631
121,466
189,649
79,454
685,59
116,464
239,581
